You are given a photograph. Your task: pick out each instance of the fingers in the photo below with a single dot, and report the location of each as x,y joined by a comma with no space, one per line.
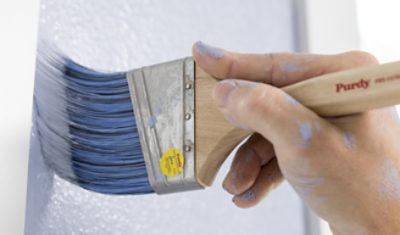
269,178
254,172
268,111
278,69
249,159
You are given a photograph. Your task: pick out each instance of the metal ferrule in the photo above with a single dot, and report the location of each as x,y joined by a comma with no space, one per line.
163,102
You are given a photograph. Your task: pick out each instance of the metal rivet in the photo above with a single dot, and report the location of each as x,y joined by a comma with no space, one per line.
188,116
187,148
188,86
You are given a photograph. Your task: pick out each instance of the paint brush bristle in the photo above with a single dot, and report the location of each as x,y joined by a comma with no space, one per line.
87,127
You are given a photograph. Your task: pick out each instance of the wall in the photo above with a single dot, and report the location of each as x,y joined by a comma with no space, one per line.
376,33
18,30
121,35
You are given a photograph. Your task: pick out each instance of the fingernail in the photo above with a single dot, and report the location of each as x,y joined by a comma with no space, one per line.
222,92
207,50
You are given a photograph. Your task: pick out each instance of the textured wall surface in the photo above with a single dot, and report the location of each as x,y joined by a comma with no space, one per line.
121,35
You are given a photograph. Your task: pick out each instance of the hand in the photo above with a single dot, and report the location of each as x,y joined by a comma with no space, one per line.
347,169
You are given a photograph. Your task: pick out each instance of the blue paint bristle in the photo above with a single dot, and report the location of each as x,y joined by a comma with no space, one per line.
87,127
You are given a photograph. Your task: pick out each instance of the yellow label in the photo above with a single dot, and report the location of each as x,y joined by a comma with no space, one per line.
171,162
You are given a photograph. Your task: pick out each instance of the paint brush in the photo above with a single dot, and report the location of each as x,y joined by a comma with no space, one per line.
156,129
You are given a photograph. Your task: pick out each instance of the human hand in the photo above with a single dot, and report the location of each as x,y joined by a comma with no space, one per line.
347,169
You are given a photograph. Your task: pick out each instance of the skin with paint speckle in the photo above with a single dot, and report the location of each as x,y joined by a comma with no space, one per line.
248,196
207,50
291,67
348,140
306,131
292,100
346,169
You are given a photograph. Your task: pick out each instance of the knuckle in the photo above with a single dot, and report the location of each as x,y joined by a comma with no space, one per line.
275,70
363,58
262,101
257,99
274,66
228,70
317,146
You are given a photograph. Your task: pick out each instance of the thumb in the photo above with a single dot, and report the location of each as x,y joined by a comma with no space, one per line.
269,111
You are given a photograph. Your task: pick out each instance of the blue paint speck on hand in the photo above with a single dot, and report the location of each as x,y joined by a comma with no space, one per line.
248,195
292,100
207,50
348,140
306,132
391,181
290,67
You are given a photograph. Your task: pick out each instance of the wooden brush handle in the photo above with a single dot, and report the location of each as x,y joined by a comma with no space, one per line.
335,94
215,138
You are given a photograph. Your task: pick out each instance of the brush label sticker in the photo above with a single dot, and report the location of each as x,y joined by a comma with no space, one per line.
171,162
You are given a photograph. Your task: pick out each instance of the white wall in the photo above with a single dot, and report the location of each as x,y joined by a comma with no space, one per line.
379,35
18,29
379,28
126,34
331,26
